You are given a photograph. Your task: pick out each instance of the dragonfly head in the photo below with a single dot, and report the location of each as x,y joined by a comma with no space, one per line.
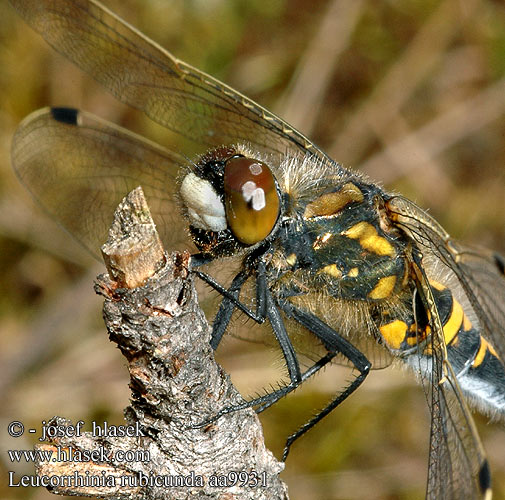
232,201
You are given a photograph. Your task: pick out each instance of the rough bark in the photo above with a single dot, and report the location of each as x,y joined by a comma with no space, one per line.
151,312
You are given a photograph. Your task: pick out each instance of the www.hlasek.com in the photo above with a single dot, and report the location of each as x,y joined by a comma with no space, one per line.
69,454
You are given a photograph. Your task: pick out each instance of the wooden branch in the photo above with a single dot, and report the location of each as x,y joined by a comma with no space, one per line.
151,312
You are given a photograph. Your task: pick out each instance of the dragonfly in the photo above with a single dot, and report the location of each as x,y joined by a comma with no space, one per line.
323,254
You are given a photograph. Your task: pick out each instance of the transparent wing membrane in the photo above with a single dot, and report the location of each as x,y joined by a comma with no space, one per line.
140,73
79,167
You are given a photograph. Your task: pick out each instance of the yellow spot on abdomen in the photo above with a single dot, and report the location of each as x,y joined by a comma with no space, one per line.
417,336
367,235
451,328
438,286
383,288
481,354
394,333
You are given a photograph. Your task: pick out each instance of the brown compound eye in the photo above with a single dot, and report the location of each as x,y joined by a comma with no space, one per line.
251,199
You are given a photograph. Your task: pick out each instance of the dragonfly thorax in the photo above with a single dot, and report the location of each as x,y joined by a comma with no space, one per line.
340,243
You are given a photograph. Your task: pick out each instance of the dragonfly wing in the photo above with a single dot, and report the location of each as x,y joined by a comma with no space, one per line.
79,167
457,466
140,73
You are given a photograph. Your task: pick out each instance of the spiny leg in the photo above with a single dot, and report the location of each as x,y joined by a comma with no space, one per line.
272,397
335,344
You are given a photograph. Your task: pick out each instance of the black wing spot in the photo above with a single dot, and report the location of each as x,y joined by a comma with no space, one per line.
484,477
65,115
500,262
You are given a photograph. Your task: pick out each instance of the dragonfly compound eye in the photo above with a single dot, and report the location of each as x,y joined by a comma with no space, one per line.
251,199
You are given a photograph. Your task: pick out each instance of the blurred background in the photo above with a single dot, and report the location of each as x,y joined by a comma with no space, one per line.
411,92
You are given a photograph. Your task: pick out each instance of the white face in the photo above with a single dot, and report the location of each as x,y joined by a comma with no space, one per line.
204,207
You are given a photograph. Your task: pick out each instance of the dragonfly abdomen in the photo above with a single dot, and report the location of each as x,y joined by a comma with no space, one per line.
477,366
482,376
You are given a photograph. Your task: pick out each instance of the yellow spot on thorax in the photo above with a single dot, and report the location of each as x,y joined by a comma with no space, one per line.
467,324
291,259
353,272
332,270
383,288
369,239
331,203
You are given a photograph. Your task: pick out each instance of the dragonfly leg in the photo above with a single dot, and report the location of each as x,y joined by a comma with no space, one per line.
335,343
271,398
265,309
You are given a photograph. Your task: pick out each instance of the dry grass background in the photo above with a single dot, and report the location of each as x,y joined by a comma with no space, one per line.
411,92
